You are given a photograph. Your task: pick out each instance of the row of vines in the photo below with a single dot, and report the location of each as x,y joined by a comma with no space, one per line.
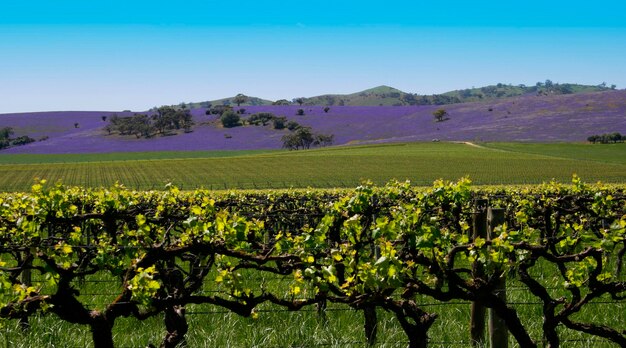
367,248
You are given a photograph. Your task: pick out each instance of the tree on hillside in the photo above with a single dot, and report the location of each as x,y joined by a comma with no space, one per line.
606,138
230,119
261,118
6,132
292,125
240,99
281,102
163,121
23,140
186,120
324,139
5,137
409,98
219,109
141,126
303,138
440,115
279,122
300,101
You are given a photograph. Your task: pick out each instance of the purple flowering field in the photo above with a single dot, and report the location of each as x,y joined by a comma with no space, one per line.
564,118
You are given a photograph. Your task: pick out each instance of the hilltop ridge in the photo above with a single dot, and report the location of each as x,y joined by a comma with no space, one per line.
384,95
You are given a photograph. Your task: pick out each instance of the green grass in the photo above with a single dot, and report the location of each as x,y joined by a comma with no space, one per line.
211,326
422,163
122,156
609,153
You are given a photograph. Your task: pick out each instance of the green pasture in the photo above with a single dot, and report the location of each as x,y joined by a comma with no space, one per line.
122,156
610,153
422,163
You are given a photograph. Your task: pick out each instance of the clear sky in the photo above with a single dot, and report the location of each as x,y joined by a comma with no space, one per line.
115,55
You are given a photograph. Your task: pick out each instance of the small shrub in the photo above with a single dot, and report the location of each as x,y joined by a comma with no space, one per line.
279,122
261,118
230,119
326,109
300,112
281,102
292,125
23,140
440,115
220,109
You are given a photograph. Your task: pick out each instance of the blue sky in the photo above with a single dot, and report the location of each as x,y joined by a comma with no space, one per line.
114,55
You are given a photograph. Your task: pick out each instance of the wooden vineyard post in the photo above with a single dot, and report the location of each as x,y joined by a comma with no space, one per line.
369,312
26,278
477,314
498,333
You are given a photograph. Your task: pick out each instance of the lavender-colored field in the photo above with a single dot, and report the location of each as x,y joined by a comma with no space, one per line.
528,118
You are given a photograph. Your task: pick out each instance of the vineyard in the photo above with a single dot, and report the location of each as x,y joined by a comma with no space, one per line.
422,163
392,259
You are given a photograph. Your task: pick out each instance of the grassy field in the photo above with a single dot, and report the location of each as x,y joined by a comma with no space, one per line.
212,326
123,156
331,167
422,163
609,153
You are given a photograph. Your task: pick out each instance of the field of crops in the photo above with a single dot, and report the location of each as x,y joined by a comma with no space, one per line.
610,153
285,247
330,167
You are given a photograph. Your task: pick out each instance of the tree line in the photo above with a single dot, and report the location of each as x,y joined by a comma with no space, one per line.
607,138
164,121
6,139
300,137
303,138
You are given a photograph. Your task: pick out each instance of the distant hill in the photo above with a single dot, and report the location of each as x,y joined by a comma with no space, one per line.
500,91
229,101
389,96
381,95
528,118
385,95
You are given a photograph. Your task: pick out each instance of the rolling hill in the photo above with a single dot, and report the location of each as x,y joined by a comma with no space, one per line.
377,96
229,101
527,118
501,91
389,96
